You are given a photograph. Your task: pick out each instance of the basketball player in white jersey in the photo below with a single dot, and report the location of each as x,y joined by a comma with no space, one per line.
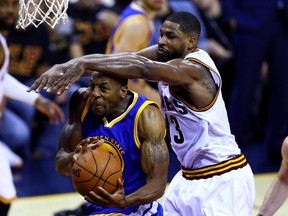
215,178
11,88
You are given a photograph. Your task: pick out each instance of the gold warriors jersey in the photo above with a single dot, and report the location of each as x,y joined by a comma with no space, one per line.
121,139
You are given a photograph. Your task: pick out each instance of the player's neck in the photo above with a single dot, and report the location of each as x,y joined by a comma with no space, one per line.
123,106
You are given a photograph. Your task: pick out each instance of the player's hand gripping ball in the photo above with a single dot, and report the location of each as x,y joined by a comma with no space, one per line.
96,168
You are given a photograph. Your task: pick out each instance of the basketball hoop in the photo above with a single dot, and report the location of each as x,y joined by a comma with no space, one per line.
38,11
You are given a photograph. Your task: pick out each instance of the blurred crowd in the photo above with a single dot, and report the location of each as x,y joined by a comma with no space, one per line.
248,40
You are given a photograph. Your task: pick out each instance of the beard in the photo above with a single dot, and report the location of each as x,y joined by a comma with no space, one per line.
168,56
166,53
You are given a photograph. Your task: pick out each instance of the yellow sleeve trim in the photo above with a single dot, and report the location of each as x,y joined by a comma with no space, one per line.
143,106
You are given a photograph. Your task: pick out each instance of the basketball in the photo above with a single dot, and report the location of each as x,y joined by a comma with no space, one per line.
96,168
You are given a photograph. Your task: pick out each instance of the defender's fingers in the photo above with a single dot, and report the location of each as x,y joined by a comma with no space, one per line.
41,83
34,85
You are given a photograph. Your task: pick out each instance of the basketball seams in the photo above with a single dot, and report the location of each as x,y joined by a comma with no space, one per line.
99,177
105,173
106,181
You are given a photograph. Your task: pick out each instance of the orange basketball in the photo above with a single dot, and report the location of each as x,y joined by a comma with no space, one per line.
96,168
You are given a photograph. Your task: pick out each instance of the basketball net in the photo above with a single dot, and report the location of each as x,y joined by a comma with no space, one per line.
38,11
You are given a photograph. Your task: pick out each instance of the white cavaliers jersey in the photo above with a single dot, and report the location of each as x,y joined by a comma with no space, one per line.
3,65
199,137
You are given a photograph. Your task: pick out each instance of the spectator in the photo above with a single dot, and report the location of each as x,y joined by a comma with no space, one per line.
90,29
30,56
260,34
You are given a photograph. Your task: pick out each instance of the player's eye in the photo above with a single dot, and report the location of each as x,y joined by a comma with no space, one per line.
104,89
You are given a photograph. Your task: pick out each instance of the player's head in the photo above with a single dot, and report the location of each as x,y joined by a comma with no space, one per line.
178,36
107,95
151,5
8,14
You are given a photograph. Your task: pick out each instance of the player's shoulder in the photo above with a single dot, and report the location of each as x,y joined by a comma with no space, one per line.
151,112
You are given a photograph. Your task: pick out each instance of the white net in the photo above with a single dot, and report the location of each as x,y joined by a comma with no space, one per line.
36,12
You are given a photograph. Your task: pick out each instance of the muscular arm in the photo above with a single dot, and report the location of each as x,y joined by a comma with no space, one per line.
189,77
62,76
184,74
132,65
278,190
154,157
126,65
71,134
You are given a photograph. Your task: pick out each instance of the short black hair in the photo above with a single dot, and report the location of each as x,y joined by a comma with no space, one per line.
188,23
120,80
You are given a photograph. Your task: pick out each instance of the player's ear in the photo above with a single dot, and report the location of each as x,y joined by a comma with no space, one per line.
192,42
123,91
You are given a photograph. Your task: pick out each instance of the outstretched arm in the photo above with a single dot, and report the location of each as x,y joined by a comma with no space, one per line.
55,75
126,65
154,161
278,190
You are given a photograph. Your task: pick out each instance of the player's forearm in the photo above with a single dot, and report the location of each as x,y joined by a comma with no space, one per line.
156,182
126,65
150,192
275,197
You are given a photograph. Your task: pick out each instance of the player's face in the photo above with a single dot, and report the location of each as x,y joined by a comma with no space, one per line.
106,95
8,14
154,5
173,43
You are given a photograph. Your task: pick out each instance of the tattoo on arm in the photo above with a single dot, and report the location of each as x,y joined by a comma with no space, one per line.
208,81
158,152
